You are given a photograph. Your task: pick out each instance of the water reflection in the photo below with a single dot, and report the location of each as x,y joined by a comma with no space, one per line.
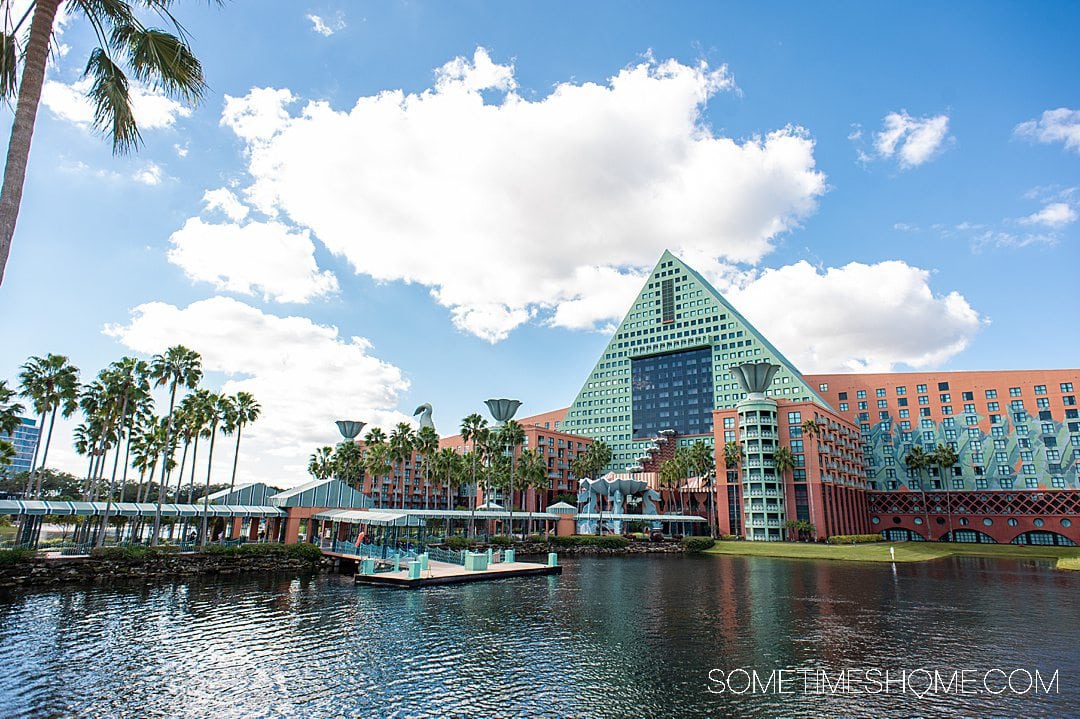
609,638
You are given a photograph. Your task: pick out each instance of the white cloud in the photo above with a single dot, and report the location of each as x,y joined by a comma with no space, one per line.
326,27
857,317
509,208
153,110
223,199
1060,125
258,257
149,174
304,375
1054,215
913,140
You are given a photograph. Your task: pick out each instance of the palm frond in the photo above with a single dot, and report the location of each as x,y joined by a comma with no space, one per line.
161,60
110,94
9,61
112,12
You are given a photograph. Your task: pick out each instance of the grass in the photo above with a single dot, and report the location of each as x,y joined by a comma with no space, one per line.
1069,557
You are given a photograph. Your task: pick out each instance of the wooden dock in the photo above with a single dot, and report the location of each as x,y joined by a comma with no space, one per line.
439,573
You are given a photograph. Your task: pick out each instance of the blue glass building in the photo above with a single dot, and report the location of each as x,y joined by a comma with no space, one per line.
25,440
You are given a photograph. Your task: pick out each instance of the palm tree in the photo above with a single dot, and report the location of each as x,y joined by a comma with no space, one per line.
219,411
784,461
426,444
473,427
916,459
162,60
348,463
245,409
7,453
944,457
198,407
10,412
812,427
511,435
703,466
129,386
532,470
177,367
377,463
51,383
321,464
401,450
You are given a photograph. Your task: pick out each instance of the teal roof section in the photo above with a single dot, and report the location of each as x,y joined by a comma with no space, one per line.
250,494
676,310
331,493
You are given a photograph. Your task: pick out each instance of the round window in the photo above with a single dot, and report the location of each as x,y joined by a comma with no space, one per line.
1013,522
896,520
1066,523
988,521
1038,522
940,520
918,520
875,520
963,522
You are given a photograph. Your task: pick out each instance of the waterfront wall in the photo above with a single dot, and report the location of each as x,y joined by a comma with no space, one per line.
37,571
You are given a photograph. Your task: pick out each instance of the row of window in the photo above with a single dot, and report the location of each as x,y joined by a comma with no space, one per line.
1040,389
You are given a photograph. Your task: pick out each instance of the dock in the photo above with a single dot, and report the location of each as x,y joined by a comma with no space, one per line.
439,573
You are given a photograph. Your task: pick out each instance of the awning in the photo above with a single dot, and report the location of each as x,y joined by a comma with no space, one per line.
131,509
645,517
373,517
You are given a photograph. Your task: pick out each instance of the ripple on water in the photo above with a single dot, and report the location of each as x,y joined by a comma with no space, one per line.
609,638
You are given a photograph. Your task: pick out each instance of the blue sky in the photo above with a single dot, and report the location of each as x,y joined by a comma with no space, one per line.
480,229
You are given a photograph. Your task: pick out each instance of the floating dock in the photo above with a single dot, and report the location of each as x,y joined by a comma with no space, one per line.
439,573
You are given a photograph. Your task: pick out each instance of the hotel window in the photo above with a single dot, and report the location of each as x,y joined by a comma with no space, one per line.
862,405
1014,391
794,418
1047,428
1042,402
1004,469
1045,414
920,388
882,403
843,406
995,419
946,409
880,392
1066,387
1040,389
968,396
944,398
904,413
1019,417
1028,469
1057,482
1030,483
843,395
902,402
924,412
992,407
943,386
901,391
861,394
905,425
823,387
1069,400
969,409
1053,455
997,431
928,436
923,399
980,484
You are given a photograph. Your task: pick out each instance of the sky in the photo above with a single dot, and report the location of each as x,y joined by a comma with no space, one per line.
381,204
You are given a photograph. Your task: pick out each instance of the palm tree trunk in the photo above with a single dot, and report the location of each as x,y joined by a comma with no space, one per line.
206,495
33,462
191,481
236,455
22,128
166,453
112,479
45,454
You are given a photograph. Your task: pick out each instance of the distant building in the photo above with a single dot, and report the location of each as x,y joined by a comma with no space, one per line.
25,440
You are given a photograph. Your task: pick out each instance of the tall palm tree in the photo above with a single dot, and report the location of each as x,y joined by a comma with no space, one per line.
347,463
7,453
377,463
177,367
702,465
918,460
784,461
219,411
198,406
401,450
511,436
129,387
10,412
473,428
160,59
426,444
944,457
532,471
51,383
321,464
245,410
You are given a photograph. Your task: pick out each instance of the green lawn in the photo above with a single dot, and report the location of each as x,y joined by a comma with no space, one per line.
1069,563
905,551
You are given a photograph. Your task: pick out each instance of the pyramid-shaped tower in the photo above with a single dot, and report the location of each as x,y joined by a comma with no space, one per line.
667,365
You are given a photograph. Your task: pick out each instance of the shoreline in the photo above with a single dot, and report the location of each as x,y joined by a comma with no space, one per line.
1066,558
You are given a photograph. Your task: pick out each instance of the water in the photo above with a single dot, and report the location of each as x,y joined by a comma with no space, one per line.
611,637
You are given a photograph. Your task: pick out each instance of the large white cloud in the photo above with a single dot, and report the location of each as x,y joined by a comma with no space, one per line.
1060,125
267,258
304,374
912,140
153,110
857,317
510,208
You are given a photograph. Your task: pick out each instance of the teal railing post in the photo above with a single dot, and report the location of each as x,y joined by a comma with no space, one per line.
508,555
423,559
553,559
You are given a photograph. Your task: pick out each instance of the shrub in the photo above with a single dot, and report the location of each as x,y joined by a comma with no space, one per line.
536,538
121,554
266,549
730,537
458,543
305,551
855,538
694,545
501,540
15,556
611,541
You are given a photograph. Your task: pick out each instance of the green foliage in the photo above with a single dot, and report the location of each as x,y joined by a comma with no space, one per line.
134,553
15,556
855,538
589,540
730,537
693,545
501,540
458,543
304,550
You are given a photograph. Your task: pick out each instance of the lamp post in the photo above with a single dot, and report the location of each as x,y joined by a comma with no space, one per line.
503,411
